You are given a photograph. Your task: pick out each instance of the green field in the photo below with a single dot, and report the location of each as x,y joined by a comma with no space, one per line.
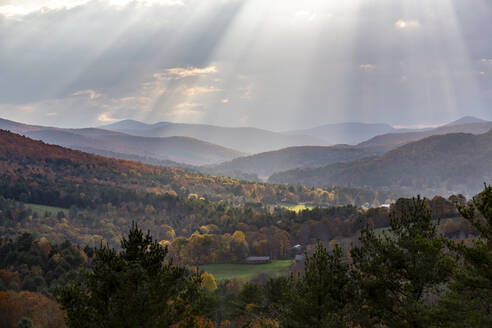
297,207
42,209
247,271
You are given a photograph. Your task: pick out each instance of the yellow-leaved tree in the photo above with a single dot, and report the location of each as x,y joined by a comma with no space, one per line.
208,281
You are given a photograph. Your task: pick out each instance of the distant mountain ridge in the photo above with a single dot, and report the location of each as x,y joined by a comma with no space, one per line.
265,164
346,133
466,120
132,125
440,164
391,141
245,139
175,149
188,152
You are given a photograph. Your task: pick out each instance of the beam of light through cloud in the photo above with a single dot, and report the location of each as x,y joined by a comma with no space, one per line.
407,24
279,64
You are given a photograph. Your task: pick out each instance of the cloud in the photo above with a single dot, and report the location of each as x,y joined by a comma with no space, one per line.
195,91
104,118
304,16
20,8
90,93
247,92
15,8
26,108
131,59
188,105
146,3
407,24
192,71
185,112
367,67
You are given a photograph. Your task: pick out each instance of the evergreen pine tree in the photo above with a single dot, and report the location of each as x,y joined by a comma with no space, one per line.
468,302
132,288
403,270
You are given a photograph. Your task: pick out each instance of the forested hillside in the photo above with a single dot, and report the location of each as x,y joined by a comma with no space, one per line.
453,163
177,149
52,175
393,140
265,164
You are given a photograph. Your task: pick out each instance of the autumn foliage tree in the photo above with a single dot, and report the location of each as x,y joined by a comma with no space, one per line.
42,311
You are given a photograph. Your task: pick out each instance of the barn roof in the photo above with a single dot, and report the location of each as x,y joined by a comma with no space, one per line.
258,258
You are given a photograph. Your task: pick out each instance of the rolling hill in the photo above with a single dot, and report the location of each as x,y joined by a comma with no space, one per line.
346,133
466,120
245,139
175,150
441,164
390,141
35,172
265,164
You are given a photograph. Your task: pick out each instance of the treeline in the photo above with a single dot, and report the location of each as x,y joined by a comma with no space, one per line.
31,273
27,264
203,232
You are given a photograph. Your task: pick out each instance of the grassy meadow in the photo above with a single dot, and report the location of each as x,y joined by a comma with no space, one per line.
42,209
247,271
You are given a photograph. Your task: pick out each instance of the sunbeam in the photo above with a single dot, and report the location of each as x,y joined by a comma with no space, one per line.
335,60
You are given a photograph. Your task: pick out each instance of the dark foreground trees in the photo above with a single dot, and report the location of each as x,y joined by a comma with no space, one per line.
468,302
393,280
133,288
403,270
323,296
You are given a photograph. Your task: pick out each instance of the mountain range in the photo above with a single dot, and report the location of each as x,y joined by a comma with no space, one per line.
35,172
346,133
440,164
245,139
424,161
390,141
171,150
265,164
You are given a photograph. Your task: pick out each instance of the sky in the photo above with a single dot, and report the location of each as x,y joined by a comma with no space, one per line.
274,64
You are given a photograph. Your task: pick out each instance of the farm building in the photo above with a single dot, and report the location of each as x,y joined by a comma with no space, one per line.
258,260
